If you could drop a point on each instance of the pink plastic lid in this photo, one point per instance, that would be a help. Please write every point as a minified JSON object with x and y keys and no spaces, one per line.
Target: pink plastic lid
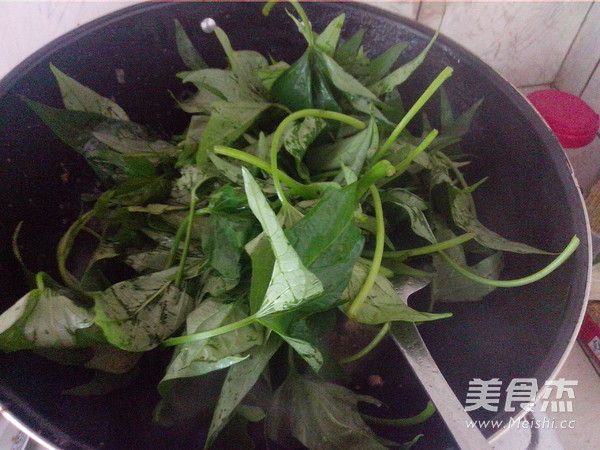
{"x":573,"y":122}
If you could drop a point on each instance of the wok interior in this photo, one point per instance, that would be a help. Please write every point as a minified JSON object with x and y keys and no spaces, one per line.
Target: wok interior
{"x":530,"y":196}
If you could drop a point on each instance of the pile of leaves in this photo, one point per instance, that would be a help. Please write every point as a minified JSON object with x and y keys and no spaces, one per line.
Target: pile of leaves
{"x":261,"y":230}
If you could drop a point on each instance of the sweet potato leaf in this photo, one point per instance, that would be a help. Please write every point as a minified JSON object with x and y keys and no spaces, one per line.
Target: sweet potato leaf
{"x":240,"y":379}
{"x":351,"y":152}
{"x":223,"y":240}
{"x":380,"y":66}
{"x":401,"y":74}
{"x":327,"y":41}
{"x":386,"y":303}
{"x":291,"y":284}
{"x":78,"y":97}
{"x":293,"y":88}
{"x":43,"y":318}
{"x":450,"y":286}
{"x":200,"y":357}
{"x":188,"y":53}
{"x":138,"y":314}
{"x":414,"y":207}
{"x":299,"y":137}
{"x":302,"y":402}
{"x":465,"y":217}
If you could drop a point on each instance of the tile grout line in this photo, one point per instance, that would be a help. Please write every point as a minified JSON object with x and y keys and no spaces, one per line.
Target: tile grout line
{"x":592,"y":73}
{"x":562,"y":64}
{"x":419,"y":10}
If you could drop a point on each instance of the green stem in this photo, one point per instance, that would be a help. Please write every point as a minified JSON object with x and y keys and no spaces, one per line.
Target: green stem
{"x":380,"y":170}
{"x":370,"y":346}
{"x":188,"y":236}
{"x":457,"y":173}
{"x":425,"y":96}
{"x":403,"y":165}
{"x":568,"y":251}
{"x":403,"y":269}
{"x":66,"y":244}
{"x":39,"y":280}
{"x":275,"y":173}
{"x":379,"y":244}
{"x":309,"y":35}
{"x":303,"y":190}
{"x":459,"y":176}
{"x":210,"y":333}
{"x":388,"y":273}
{"x":176,"y":241}
{"x":409,"y":421}
{"x":405,"y":254}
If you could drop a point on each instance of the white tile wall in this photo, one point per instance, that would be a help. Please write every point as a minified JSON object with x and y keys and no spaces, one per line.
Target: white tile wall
{"x":26,"y":26}
{"x":524,"y":41}
{"x":583,"y":56}
{"x":405,"y":9}
{"x":591,"y":92}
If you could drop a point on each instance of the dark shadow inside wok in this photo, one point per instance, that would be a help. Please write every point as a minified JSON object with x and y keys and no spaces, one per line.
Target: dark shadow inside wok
{"x":530,"y":196}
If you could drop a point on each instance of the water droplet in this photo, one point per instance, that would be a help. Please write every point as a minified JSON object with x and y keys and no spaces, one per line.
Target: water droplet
{"x":208,"y":25}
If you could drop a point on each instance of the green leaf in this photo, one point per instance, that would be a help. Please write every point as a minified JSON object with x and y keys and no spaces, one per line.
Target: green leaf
{"x":77,"y":97}
{"x":446,"y":114}
{"x":317,"y":330}
{"x":138,"y":314}
{"x":380,"y":66}
{"x":299,"y":137}
{"x":240,"y":379}
{"x":43,"y":318}
{"x":228,"y":121}
{"x":76,"y":129}
{"x":414,"y":207}
{"x":351,"y":152}
{"x":226,"y":169}
{"x":307,"y":351}
{"x":223,"y":240}
{"x":341,"y":79}
{"x":188,"y":53}
{"x":401,"y":74}
{"x":323,"y":97}
{"x":222,"y":83}
{"x":465,"y":218}
{"x":262,"y":259}
{"x":244,"y":64}
{"x":345,"y":54}
{"x":293,"y":88}
{"x":132,"y":144}
{"x":327,"y":41}
{"x":386,"y":303}
{"x":200,"y":102}
{"x":329,"y":243}
{"x":361,"y":98}
{"x":219,"y":352}
{"x":268,"y":76}
{"x":456,"y":128}
{"x":321,"y":415}
{"x":450,"y":286}
{"x":291,"y":282}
